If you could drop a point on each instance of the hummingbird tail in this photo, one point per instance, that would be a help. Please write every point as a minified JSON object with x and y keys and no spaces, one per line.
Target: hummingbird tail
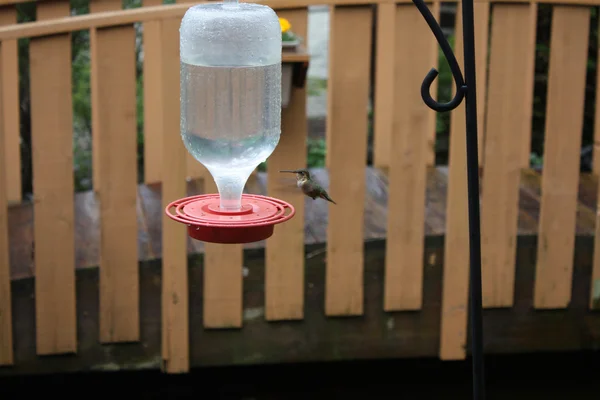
{"x":326,"y":197}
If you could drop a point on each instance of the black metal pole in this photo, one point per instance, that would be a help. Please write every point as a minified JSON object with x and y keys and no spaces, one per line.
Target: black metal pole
{"x":473,"y":189}
{"x":465,"y":88}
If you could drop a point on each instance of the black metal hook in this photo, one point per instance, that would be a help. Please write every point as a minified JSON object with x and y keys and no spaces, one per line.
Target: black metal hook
{"x":459,"y":81}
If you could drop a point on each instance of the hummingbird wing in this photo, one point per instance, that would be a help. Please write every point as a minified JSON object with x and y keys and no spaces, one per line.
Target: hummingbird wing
{"x":287,"y":184}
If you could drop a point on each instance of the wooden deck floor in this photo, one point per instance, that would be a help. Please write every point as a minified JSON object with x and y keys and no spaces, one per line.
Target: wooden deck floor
{"x":149,"y":212}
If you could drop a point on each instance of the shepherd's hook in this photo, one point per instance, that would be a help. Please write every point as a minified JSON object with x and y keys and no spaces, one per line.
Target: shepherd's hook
{"x":465,"y":88}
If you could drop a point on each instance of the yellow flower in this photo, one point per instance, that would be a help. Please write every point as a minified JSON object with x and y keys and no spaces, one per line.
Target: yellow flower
{"x":285,"y":25}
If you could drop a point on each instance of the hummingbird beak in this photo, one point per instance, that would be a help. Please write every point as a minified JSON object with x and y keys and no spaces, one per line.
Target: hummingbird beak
{"x":295,"y":171}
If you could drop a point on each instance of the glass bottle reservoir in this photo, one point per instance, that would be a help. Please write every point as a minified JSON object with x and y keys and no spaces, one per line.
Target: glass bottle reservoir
{"x":230,"y":57}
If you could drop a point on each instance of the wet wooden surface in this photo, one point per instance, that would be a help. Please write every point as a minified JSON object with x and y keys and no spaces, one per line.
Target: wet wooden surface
{"x":149,"y":214}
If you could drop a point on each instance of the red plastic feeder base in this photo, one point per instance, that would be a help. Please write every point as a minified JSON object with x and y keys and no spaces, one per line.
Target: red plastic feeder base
{"x":207,"y":222}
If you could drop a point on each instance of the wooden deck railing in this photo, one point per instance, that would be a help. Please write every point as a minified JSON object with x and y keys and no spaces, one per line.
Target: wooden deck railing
{"x":404,"y":146}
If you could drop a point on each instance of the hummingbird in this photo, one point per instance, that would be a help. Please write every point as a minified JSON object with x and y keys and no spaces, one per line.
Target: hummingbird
{"x":308,"y":185}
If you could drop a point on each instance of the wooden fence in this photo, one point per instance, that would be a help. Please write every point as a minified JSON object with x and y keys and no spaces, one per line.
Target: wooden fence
{"x":404,"y":145}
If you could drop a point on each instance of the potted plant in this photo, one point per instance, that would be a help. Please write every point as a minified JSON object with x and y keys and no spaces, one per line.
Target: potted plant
{"x":289,"y":40}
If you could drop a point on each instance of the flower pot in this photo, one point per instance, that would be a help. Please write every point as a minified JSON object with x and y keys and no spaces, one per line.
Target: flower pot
{"x":290,"y":45}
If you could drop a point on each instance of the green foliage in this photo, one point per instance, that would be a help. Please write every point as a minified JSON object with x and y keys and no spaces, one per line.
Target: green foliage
{"x":82,"y":114}
{"x":25,"y":13}
{"x":542,"y":58}
{"x":82,"y":110}
{"x":316,"y":150}
{"x":82,"y":107}
{"x":315,"y":86}
{"x":446,"y":90}
{"x":288,"y":36}
{"x":535,"y":160}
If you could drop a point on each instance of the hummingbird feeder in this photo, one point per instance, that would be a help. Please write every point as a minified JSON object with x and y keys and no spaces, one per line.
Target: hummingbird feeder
{"x":230,"y":56}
